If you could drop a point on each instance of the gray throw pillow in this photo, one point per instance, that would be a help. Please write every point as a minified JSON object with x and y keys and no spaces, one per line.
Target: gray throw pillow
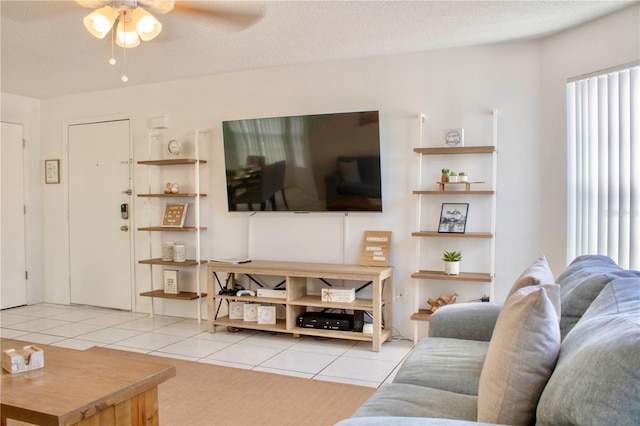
{"x":537,"y":273}
{"x":521,"y":356}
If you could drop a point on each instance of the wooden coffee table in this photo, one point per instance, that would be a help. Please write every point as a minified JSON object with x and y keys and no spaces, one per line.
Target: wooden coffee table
{"x":83,"y":387}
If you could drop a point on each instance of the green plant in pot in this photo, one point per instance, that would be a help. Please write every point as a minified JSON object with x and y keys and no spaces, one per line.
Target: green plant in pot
{"x":452,"y":262}
{"x":453,"y":176}
{"x":445,"y":175}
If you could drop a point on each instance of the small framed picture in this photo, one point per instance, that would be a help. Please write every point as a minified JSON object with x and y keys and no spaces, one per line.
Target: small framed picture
{"x":454,"y":137}
{"x":171,"y":281}
{"x":251,"y":312}
{"x":236,"y":310}
{"x":266,"y":314}
{"x":52,"y":171}
{"x":453,"y":218}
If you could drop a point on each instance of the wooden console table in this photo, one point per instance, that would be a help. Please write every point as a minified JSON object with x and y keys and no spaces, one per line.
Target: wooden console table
{"x":297,"y":300}
{"x":83,"y":388}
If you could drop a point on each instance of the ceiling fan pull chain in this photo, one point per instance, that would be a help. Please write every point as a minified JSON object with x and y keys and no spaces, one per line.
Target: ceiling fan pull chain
{"x":112,"y":61}
{"x":124,"y":53}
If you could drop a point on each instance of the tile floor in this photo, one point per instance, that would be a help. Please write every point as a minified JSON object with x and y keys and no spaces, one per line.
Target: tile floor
{"x":81,"y":327}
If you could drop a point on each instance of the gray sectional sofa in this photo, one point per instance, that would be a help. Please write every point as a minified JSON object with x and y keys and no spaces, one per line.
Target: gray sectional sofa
{"x":563,"y":351}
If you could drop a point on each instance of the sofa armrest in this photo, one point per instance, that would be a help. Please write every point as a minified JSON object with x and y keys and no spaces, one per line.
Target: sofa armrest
{"x":405,"y":421}
{"x":470,"y":321}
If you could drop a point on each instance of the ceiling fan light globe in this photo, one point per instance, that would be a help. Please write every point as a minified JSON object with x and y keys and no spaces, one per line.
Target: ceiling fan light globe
{"x":147,"y":26}
{"x":99,"y":22}
{"x":126,"y":36}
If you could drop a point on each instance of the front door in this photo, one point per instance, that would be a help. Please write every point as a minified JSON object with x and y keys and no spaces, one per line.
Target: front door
{"x":99,"y":236}
{"x":13,"y":280}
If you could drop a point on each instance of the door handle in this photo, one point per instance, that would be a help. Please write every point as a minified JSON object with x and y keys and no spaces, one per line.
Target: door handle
{"x":128,"y":192}
{"x":124,"y":228}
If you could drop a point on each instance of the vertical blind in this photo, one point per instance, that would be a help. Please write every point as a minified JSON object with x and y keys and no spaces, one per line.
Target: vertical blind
{"x":603,"y":170}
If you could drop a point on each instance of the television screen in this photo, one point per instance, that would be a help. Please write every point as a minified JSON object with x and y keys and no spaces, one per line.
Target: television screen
{"x":307,"y":163}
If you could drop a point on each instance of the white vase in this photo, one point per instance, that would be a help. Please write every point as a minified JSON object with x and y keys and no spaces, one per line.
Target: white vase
{"x":453,"y":178}
{"x":451,"y":268}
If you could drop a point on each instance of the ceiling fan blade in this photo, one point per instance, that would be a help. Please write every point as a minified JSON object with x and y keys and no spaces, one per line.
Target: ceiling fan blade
{"x":93,"y":4}
{"x":241,"y":15}
{"x":158,"y":6}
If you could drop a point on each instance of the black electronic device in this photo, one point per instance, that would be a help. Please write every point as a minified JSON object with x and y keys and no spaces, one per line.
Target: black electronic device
{"x":358,"y":321}
{"x":325,"y":320}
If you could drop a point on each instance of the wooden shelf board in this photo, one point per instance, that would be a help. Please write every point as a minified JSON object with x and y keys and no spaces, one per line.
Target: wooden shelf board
{"x":463,"y":276}
{"x":316,"y":302}
{"x":336,"y":334}
{"x":437,"y":150}
{"x":279,"y":326}
{"x":452,"y":234}
{"x":180,"y":195}
{"x":421,"y":315}
{"x":246,"y":298}
{"x":436,"y":192}
{"x":183,"y":295}
{"x":171,"y":229}
{"x":159,"y":261}
{"x":169,"y":162}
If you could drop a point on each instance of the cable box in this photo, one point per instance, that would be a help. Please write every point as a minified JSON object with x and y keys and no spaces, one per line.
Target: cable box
{"x":327,"y":321}
{"x":276,"y":294}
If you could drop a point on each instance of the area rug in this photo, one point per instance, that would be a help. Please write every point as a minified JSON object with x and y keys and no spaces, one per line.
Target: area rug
{"x":205,"y":394}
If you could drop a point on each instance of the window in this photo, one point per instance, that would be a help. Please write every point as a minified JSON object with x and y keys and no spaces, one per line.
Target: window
{"x":603,"y":173}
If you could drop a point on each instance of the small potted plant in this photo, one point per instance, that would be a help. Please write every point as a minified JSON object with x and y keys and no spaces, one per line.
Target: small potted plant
{"x":463,"y":177}
{"x":453,"y":176}
{"x":452,"y":262}
{"x":445,"y":175}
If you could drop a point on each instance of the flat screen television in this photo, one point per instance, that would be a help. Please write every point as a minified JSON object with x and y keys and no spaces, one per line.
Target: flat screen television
{"x":305,"y":163}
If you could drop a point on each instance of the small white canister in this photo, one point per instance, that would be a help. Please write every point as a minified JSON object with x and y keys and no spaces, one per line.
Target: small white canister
{"x":167,"y":250}
{"x":179,"y":252}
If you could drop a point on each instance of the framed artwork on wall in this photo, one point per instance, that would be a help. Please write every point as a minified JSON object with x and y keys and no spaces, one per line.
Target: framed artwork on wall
{"x":453,"y":218}
{"x":51,"y":171}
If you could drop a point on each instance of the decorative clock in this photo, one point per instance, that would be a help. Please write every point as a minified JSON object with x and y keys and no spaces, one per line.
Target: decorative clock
{"x":174,"y":148}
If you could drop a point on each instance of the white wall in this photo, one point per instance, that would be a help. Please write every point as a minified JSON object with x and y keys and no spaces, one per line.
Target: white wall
{"x":611,"y":41}
{"x":455,"y":88}
{"x":26,"y":111}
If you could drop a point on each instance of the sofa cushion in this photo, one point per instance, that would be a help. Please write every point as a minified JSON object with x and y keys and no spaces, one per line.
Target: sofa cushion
{"x":452,"y":365}
{"x":469,"y":321}
{"x":521,"y":356}
{"x":581,"y":283}
{"x":400,"y":399}
{"x":598,"y":369}
{"x":537,"y":273}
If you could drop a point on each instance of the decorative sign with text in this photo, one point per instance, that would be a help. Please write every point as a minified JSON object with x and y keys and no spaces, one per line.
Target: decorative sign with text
{"x":375,"y":248}
{"x":174,"y":215}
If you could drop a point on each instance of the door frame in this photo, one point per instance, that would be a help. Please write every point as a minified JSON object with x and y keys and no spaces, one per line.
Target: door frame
{"x":28,"y":207}
{"x":67,"y":225}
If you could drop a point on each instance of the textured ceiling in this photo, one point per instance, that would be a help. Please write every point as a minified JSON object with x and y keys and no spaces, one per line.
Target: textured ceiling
{"x":46,"y":51}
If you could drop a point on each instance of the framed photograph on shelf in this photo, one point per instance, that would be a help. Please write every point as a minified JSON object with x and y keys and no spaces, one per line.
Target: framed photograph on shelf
{"x":52,"y":171}
{"x":174,"y":215}
{"x":453,"y":218}
{"x":171,"y":281}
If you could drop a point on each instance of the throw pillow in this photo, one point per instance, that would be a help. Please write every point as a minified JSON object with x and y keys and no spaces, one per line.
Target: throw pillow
{"x":348,"y":171}
{"x":536,"y":274}
{"x":521,"y":356}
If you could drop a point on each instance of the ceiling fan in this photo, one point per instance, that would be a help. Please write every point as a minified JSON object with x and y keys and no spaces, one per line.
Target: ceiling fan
{"x":129,"y":22}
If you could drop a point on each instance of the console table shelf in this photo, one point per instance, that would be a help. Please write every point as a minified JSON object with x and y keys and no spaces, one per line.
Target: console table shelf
{"x":183,"y":295}
{"x":446,"y":192}
{"x":297,"y":301}
{"x":159,"y":261}
{"x":171,"y":162}
{"x":172,"y":229}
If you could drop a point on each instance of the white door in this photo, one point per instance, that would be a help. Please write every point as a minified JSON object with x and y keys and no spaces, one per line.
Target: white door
{"x":99,"y":238}
{"x":13,"y":280}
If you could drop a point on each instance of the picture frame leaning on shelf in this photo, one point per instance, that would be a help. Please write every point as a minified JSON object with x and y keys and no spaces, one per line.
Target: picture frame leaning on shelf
{"x":453,"y":218}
